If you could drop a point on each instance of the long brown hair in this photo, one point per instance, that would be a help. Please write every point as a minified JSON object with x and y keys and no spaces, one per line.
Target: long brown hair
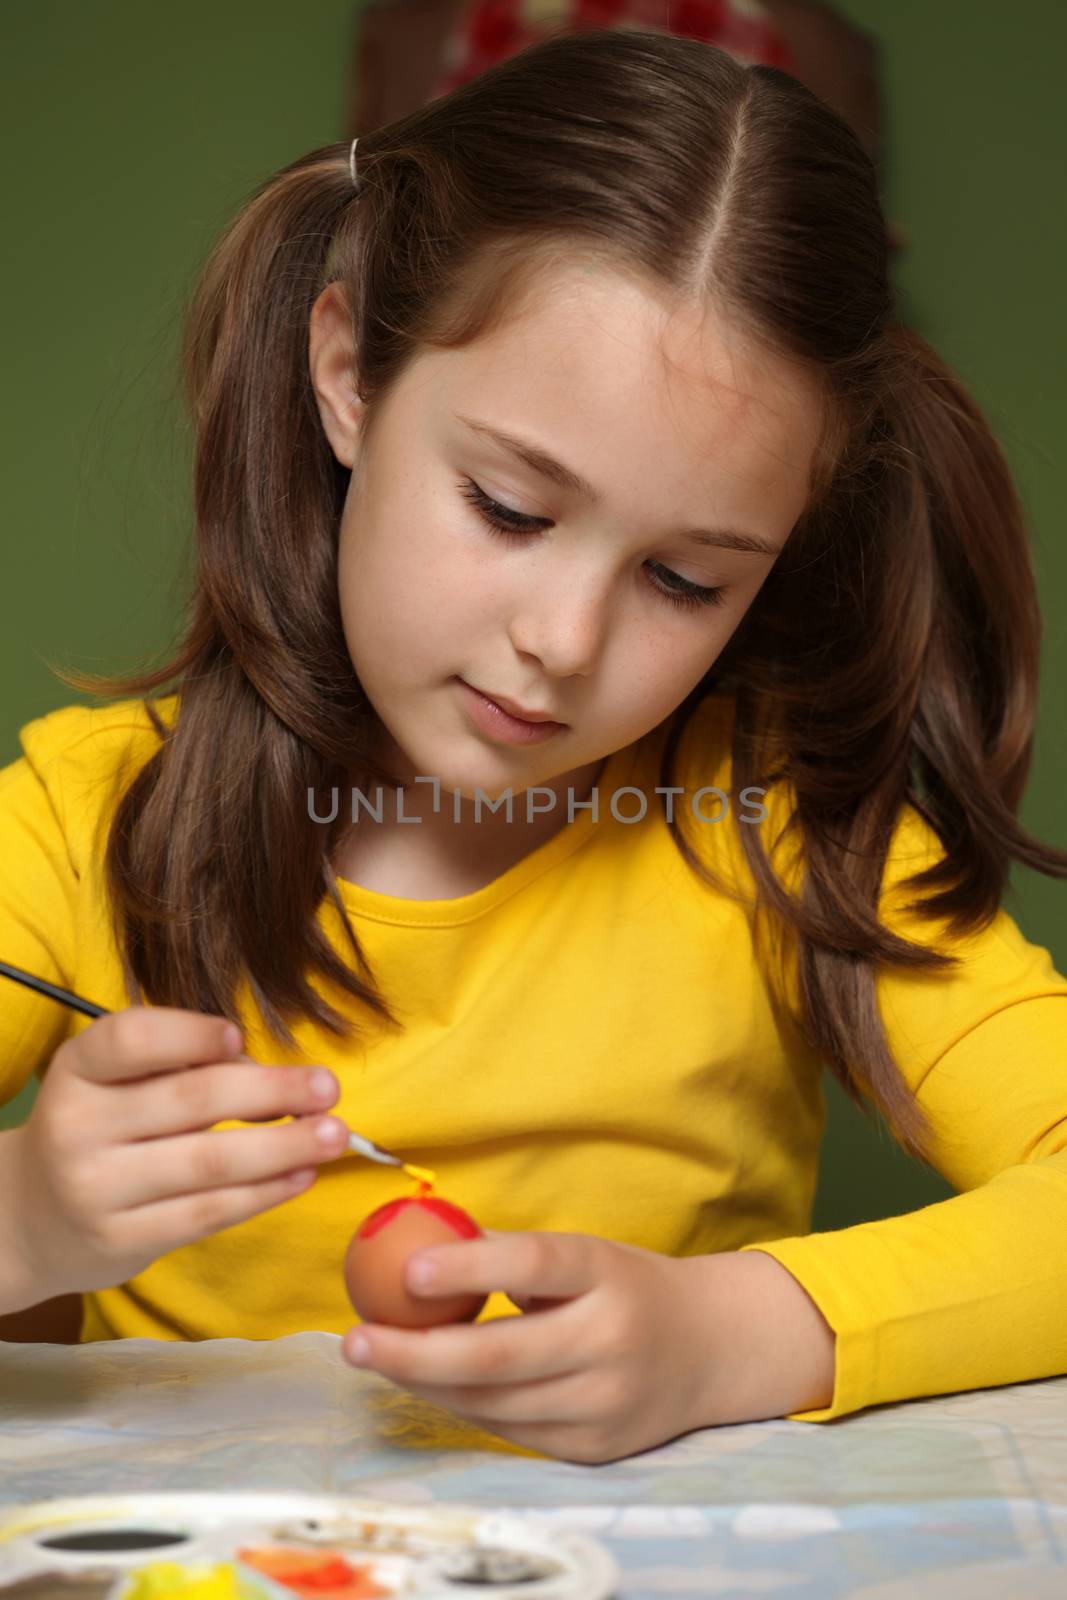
{"x":891,"y":655}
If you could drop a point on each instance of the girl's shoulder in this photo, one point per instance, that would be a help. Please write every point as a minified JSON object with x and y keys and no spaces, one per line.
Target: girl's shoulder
{"x":78,"y":758}
{"x":704,"y":762}
{"x":94,"y":738}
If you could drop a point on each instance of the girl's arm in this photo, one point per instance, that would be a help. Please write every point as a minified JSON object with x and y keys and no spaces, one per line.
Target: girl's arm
{"x":970,"y":1292}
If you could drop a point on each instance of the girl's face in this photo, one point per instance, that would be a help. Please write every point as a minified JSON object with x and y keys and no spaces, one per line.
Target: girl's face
{"x":672,"y":421}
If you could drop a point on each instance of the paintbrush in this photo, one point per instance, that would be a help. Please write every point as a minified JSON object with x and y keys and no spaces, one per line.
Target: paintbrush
{"x":88,"y":1008}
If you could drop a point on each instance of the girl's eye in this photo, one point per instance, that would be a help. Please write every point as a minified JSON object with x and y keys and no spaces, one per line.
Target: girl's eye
{"x":502,"y":520}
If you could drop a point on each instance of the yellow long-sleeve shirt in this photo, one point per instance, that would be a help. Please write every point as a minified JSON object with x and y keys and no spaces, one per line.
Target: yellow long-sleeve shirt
{"x":590,"y":1046}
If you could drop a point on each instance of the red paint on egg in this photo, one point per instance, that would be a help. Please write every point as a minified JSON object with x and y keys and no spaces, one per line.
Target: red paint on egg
{"x":454,"y":1215}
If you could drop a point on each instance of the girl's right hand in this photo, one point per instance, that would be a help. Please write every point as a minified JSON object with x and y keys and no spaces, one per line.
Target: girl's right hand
{"x":116,"y":1165}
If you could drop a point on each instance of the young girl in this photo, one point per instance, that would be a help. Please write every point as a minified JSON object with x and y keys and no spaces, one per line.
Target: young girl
{"x":576,"y":395}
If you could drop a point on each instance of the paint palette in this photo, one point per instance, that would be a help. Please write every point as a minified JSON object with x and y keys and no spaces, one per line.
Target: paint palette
{"x":266,"y":1546}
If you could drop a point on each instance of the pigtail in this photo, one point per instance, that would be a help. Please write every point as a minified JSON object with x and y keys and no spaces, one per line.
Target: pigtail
{"x":213,"y":864}
{"x":891,"y":662}
{"x":977,"y":638}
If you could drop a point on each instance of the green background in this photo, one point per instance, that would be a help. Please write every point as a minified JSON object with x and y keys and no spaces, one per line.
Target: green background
{"x":133,"y":133}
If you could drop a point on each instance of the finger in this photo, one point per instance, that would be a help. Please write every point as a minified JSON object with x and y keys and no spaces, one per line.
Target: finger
{"x":316,"y":1077}
{"x":144,"y":1040}
{"x":221,"y":1159}
{"x":541,"y":1266}
{"x":501,"y":1350}
{"x":169,"y":1224}
{"x":242,"y":1091}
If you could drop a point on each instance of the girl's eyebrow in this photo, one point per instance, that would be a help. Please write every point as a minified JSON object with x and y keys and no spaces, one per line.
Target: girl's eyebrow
{"x":540,"y":461}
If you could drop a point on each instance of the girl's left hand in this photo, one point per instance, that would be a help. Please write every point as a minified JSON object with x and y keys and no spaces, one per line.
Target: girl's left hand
{"x":610,"y":1360}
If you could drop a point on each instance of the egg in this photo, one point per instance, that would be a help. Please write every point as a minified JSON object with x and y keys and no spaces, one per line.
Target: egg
{"x":380,"y":1249}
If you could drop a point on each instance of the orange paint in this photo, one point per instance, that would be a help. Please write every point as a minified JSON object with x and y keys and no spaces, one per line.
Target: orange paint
{"x":314,"y":1574}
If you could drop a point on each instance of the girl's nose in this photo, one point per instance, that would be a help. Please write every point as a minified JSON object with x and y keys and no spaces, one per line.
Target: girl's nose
{"x":564,"y":626}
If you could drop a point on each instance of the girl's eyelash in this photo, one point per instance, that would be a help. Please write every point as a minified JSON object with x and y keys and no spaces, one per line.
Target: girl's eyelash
{"x":508,"y":523}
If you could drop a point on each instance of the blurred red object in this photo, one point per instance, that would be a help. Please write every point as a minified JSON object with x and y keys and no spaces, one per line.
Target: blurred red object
{"x":410,"y":51}
{"x":487,"y":31}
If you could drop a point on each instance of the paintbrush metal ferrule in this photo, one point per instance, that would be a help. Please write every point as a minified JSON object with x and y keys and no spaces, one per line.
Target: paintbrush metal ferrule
{"x":373,"y":1152}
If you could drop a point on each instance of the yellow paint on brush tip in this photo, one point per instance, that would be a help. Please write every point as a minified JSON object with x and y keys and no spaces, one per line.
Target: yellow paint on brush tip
{"x":423,"y":1174}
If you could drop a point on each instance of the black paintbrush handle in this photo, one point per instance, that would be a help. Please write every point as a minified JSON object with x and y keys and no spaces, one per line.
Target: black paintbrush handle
{"x":53,"y":991}
{"x":358,"y":1143}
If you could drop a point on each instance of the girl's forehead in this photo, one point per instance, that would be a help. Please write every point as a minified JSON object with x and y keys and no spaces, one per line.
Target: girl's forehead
{"x":605,"y":361}
{"x":585,"y":318}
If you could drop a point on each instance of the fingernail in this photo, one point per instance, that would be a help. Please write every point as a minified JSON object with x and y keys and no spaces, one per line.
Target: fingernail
{"x":422,"y":1273}
{"x":359,"y":1349}
{"x":234,"y":1039}
{"x":323,"y":1084}
{"x":329,"y":1131}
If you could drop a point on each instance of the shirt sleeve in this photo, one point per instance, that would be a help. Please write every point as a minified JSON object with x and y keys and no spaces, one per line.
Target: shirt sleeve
{"x":37,"y":923}
{"x":970,"y":1292}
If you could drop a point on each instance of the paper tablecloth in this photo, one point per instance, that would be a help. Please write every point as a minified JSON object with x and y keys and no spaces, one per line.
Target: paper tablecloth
{"x":960,"y":1494}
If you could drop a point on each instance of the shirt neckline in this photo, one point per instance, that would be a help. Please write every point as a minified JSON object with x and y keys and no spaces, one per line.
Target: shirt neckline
{"x":378,"y":907}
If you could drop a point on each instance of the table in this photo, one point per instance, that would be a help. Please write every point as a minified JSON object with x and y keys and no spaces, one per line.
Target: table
{"x":958,"y":1494}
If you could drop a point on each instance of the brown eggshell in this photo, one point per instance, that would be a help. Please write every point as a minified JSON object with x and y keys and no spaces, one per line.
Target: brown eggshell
{"x":380,"y":1249}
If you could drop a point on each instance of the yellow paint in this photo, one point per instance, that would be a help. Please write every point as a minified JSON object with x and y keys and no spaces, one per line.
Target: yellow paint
{"x":168,"y":1580}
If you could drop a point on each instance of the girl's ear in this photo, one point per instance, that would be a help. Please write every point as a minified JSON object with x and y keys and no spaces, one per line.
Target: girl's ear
{"x":332,"y":364}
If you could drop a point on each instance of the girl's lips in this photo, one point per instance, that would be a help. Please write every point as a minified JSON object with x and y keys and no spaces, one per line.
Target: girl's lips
{"x":500,"y":724}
